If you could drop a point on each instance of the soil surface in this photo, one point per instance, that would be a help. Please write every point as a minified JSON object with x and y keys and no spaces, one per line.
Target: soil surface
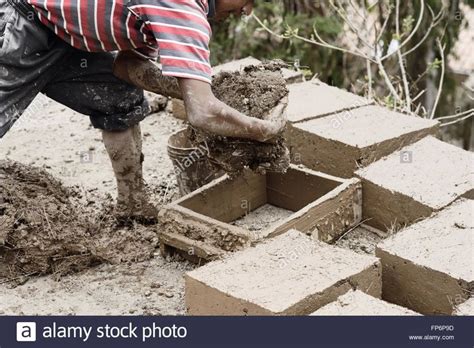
{"x":361,"y":240}
{"x":154,"y":287}
{"x":46,"y":228}
{"x":262,"y":218}
{"x":75,"y":174}
{"x":255,"y":92}
{"x":63,"y":144}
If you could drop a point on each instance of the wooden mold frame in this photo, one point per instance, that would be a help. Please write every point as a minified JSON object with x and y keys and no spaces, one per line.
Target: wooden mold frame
{"x":199,"y":225}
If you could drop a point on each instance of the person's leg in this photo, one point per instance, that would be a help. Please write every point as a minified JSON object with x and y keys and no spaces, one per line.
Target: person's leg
{"x":125,"y":152}
{"x":86,"y":84}
{"x":28,"y":54}
{"x":125,"y":156}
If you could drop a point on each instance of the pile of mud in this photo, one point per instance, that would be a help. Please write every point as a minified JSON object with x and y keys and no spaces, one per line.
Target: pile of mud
{"x":47,"y":228}
{"x":254,"y":92}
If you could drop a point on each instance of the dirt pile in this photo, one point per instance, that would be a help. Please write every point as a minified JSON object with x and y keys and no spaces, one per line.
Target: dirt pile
{"x":47,"y":228}
{"x":254,"y":92}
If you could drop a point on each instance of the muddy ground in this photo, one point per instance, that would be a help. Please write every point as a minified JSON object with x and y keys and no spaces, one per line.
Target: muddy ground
{"x":48,"y":228}
{"x":262,"y":218}
{"x":61,"y":142}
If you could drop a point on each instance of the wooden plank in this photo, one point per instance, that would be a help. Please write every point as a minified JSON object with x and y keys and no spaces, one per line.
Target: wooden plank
{"x":330,"y":216}
{"x":194,"y":249}
{"x":229,"y":199}
{"x":322,"y":203}
{"x":192,"y":225}
{"x":298,"y":187}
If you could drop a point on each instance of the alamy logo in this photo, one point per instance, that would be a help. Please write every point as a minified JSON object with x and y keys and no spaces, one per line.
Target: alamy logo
{"x":87,"y":157}
{"x":406,"y":157}
{"x":26,"y":332}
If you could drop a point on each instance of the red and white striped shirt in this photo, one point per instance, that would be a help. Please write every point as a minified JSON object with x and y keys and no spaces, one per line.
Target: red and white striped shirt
{"x":176,"y":31}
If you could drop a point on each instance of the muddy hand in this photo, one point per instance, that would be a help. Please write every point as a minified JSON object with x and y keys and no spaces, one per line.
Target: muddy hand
{"x":274,"y":123}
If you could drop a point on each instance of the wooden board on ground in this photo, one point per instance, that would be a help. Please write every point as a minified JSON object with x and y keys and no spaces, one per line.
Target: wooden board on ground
{"x":192,"y":250}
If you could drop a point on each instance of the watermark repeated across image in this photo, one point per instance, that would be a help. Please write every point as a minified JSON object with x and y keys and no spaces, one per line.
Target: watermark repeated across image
{"x":406,"y":157}
{"x":340,"y":118}
{"x":182,"y":166}
{"x":294,"y":254}
{"x":17,"y":116}
{"x":86,"y":157}
{"x":198,"y":154}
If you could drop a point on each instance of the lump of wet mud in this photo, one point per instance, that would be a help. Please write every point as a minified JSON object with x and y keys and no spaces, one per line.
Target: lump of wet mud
{"x":46,"y":228}
{"x":255,"y":91}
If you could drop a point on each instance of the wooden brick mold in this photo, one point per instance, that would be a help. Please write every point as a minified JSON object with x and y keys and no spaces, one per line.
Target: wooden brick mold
{"x":199,"y":225}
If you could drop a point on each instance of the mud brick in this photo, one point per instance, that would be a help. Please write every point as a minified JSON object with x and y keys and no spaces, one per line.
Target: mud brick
{"x":235,"y":65}
{"x":359,"y":303}
{"x":291,"y":274}
{"x":415,"y":182}
{"x":319,"y":204}
{"x":290,"y":76}
{"x":342,"y":143}
{"x":428,"y":267}
{"x":466,"y":309}
{"x":315,"y":99}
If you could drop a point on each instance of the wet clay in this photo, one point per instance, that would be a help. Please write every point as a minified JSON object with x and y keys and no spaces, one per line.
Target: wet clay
{"x":45,"y":227}
{"x":262,"y":218}
{"x":255,"y":91}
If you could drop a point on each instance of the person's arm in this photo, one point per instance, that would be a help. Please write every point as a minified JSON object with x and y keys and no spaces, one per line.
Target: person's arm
{"x":204,"y":110}
{"x":145,"y":74}
{"x":208,"y":113}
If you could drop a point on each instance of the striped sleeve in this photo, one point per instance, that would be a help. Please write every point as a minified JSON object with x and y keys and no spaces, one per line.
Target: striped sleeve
{"x":182,"y":33}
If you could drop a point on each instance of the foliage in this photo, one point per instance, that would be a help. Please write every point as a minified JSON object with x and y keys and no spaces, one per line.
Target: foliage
{"x":236,"y":39}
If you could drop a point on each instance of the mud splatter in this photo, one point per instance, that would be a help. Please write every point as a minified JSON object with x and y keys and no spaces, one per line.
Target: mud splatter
{"x":46,"y":228}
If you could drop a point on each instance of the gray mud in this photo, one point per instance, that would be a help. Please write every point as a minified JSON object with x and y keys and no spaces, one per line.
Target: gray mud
{"x":254,"y":92}
{"x":262,"y":218}
{"x":360,"y":240}
{"x":46,"y":228}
